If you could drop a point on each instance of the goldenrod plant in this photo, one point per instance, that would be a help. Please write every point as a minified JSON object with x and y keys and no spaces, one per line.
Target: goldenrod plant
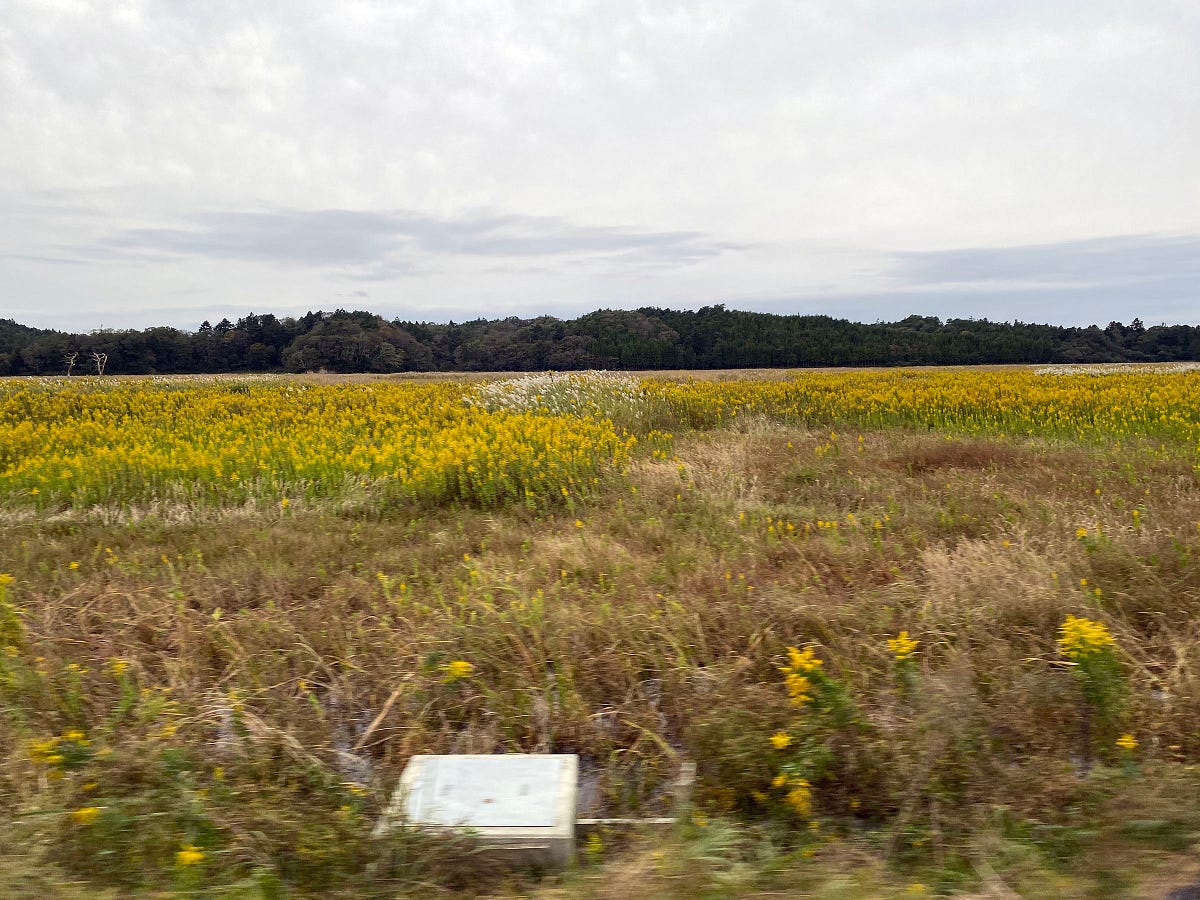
{"x":903,"y":649}
{"x":802,"y":750}
{"x":1089,"y":650}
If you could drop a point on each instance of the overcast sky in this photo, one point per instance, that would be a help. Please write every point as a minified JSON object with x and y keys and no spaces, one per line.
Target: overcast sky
{"x":170,"y":161}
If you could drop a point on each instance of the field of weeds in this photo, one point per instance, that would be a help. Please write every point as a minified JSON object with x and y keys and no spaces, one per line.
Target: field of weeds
{"x":920,"y":631}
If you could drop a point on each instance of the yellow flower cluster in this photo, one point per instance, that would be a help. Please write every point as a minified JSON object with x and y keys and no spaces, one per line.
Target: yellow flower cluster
{"x":61,"y":752}
{"x":188,"y":855}
{"x":1082,"y":638}
{"x":799,"y":797}
{"x":46,"y":752}
{"x":458,"y":669}
{"x":86,"y":815}
{"x":140,"y":441}
{"x":1127,"y":742}
{"x":799,"y":792}
{"x":902,"y":646}
{"x":797,"y":674}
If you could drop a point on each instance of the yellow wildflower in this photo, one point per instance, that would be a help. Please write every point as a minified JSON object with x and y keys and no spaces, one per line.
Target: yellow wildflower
{"x":72,"y":566}
{"x":799,"y":798}
{"x":902,"y":646}
{"x":1080,"y":638}
{"x":41,"y":751}
{"x":802,"y":661}
{"x":1127,"y":742}
{"x":189,"y":855}
{"x":801,"y":664}
{"x":779,"y":780}
{"x":458,"y":669}
{"x":798,"y":688}
{"x":781,"y":740}
{"x":86,"y":815}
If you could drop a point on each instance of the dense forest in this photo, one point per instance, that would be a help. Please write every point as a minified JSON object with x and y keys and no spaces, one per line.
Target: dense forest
{"x":710,"y":338}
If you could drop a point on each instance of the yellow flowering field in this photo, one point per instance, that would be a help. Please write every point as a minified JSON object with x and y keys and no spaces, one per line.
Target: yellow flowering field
{"x":1013,"y":401}
{"x":81,"y":444}
{"x":139,"y":441}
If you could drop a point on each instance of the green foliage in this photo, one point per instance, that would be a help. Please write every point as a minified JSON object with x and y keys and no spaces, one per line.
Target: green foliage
{"x":12,"y":633}
{"x":650,"y":338}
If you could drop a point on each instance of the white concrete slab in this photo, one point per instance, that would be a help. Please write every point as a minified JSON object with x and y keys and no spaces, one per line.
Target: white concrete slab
{"x":520,"y":805}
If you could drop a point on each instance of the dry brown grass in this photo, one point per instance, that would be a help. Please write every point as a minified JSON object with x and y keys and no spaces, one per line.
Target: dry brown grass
{"x":653,"y":631}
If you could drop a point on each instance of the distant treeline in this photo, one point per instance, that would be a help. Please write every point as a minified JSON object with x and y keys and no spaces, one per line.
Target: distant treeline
{"x":710,"y":338}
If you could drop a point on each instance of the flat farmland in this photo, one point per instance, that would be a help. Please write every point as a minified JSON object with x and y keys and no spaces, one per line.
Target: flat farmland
{"x":920,"y":630}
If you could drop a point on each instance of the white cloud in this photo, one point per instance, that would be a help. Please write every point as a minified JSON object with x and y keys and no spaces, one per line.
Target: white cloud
{"x":824,"y":140}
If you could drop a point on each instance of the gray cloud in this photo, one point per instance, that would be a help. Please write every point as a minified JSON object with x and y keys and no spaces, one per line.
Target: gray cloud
{"x":1174,"y":304}
{"x":1093,"y":281}
{"x":1118,"y":261}
{"x":375,"y":240}
{"x":319,"y":238}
